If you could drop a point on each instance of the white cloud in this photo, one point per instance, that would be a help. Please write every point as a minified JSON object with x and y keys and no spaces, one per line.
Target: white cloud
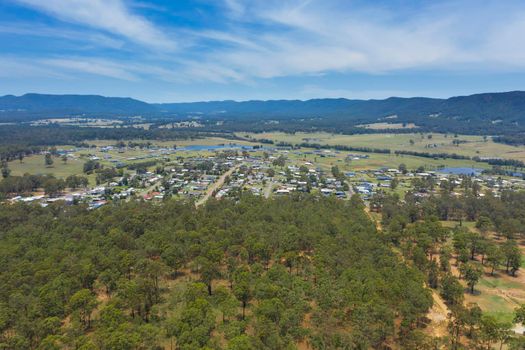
{"x":236,"y":7}
{"x":312,"y":37}
{"x":16,"y":68}
{"x":40,"y":30}
{"x":109,"y":15}
{"x":282,"y":38}
{"x":91,"y":66}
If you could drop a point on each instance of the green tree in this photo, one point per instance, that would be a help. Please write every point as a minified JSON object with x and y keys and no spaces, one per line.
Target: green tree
{"x":242,"y":290}
{"x":492,"y":331}
{"x":519,"y":314}
{"x":53,"y":186}
{"x":48,"y":160}
{"x":193,"y":326}
{"x":484,"y":224}
{"x":495,"y":257}
{"x":280,"y":161}
{"x":209,"y":271}
{"x":451,"y":290}
{"x":241,"y":342}
{"x":5,"y":170}
{"x":472,"y":275}
{"x":82,"y":304}
{"x":512,"y":255}
{"x":394,"y":183}
{"x":225,"y":302}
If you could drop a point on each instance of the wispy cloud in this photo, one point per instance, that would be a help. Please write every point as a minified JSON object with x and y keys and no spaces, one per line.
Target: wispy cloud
{"x":250,"y":43}
{"x":94,"y":39}
{"x":236,"y":8}
{"x":112,"y":16}
{"x":267,"y":39}
{"x":93,"y":66}
{"x":16,"y":67}
{"x":312,"y":37}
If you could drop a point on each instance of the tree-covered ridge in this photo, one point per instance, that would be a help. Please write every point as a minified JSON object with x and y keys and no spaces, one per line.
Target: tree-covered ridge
{"x":247,"y":274}
{"x":481,"y":114}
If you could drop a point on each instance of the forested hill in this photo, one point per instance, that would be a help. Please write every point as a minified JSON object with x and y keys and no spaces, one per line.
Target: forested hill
{"x":492,"y":112}
{"x":63,"y":105}
{"x":506,"y":105}
{"x":501,"y":113}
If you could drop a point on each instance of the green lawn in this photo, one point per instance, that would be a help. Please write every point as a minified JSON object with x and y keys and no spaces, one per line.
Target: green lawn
{"x":498,"y":307}
{"x":494,"y":282}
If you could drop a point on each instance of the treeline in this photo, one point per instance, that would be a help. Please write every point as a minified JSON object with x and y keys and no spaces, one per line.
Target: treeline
{"x":17,"y":152}
{"x":19,"y":141}
{"x":501,"y":162}
{"x":247,"y":274}
{"x":492,"y":161}
{"x":142,"y":166}
{"x":344,"y":148}
{"x":432,"y":155}
{"x":31,"y":183}
{"x":514,"y":140}
{"x":51,"y":135}
{"x":413,"y":225}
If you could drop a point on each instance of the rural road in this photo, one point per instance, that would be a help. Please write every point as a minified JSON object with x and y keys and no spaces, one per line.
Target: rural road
{"x":216,"y":185}
{"x":268,"y":189}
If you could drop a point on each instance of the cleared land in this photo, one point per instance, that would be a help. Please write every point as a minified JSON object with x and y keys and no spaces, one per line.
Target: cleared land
{"x":383,"y":126}
{"x":35,"y":165}
{"x":326,"y":159}
{"x":497,"y":295}
{"x":91,"y":122}
{"x":377,"y":160}
{"x":74,"y":166}
{"x":438,"y":143}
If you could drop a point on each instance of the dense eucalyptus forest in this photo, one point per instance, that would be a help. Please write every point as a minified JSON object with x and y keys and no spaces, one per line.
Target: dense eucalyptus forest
{"x":247,"y":274}
{"x":297,"y":272}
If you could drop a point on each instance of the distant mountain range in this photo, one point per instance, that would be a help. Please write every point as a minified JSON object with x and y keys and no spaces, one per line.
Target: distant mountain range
{"x":504,"y":109}
{"x":491,"y":105}
{"x":62,"y":105}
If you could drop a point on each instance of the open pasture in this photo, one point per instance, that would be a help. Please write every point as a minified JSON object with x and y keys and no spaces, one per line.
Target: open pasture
{"x":419,"y":142}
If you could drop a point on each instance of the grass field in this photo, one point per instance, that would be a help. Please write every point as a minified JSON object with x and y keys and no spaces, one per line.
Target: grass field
{"x":74,"y":166}
{"x":35,"y":165}
{"x":498,"y":295}
{"x":440,"y":143}
{"x":377,"y":160}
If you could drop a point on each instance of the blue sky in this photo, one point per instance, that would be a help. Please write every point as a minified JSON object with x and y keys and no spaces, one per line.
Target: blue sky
{"x":170,"y":51}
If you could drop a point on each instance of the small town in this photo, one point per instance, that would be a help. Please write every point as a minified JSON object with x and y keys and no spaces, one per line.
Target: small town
{"x":158,"y":173}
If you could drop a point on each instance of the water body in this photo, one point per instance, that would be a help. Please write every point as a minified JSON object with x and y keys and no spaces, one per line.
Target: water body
{"x":214,"y":147}
{"x":461,"y":171}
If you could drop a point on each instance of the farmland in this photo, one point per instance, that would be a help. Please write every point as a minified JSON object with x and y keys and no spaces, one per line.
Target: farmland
{"x":420,"y":142}
{"x":35,"y":164}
